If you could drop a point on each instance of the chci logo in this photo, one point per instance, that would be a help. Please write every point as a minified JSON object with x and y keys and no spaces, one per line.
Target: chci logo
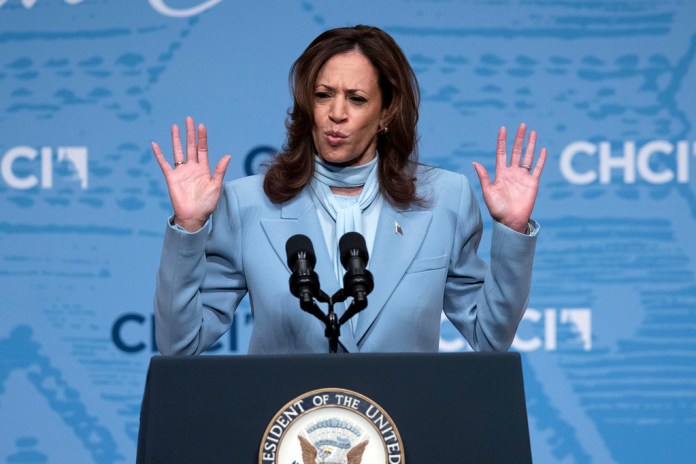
{"x":331,"y":426}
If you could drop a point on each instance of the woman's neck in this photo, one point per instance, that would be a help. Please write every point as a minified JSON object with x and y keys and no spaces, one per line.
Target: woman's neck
{"x":347,"y":191}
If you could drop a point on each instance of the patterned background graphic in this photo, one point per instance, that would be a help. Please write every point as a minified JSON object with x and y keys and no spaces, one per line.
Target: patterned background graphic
{"x":609,"y":340}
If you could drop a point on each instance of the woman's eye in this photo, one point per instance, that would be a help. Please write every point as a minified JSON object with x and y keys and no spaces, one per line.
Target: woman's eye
{"x":358,"y":99}
{"x":321,"y":95}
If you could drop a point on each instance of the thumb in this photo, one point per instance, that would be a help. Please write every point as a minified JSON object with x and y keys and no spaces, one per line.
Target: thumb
{"x":483,"y":176}
{"x":221,"y":168}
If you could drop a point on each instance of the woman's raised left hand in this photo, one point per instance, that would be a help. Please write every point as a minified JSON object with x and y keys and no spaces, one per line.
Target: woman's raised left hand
{"x":510,"y":198}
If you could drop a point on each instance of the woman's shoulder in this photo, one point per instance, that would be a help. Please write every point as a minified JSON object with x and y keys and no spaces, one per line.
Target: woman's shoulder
{"x":444,"y":190}
{"x":248,"y":189}
{"x":252,"y":179}
{"x":247,"y":184}
{"x":431,"y":178}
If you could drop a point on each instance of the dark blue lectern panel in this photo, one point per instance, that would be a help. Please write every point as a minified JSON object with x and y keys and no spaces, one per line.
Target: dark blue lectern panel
{"x":448,"y":407}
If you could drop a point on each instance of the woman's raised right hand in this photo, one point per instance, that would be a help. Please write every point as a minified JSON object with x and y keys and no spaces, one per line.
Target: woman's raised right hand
{"x":192,"y":190}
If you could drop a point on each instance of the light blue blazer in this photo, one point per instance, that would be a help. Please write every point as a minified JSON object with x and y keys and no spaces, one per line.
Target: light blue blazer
{"x":429,"y":267}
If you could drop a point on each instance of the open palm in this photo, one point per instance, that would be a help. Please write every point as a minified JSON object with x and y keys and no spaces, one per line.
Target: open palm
{"x":194,"y":193}
{"x":510,"y":198}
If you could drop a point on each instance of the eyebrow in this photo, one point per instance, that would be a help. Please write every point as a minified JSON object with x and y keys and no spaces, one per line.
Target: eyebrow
{"x":328,"y":87}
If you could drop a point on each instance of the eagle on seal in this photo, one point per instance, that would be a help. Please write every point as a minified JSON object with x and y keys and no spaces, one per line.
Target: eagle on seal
{"x":310,"y":453}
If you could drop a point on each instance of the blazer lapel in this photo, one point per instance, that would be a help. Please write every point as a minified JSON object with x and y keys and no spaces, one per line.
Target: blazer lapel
{"x":398,"y":239}
{"x":299,"y":216}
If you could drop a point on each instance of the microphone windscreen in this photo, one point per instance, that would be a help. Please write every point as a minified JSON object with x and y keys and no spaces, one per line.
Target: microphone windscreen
{"x":296,"y":245}
{"x":350,"y":243}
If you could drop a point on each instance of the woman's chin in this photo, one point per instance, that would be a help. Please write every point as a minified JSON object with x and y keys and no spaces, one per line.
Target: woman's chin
{"x":340,"y":158}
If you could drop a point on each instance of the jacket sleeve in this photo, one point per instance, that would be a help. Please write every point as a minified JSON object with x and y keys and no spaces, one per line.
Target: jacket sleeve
{"x":486,"y":303}
{"x":200,"y":281}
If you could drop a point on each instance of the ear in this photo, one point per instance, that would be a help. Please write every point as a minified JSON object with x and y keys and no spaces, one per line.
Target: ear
{"x":384,"y":119}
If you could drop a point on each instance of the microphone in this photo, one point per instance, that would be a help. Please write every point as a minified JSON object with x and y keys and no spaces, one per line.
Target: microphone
{"x":357,"y":281}
{"x":304,"y":282}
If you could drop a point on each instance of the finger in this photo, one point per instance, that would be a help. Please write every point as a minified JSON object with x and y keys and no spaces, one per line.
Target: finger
{"x":161,"y":159}
{"x":529,"y":153}
{"x":220,"y":169}
{"x":500,"y":150}
{"x":202,"y":144}
{"x":483,"y":176}
{"x":176,"y":145}
{"x":540,"y":163}
{"x":191,"y":155}
{"x":517,"y":145}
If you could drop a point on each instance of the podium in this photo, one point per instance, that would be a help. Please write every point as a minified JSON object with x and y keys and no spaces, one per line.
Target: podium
{"x":455,"y":407}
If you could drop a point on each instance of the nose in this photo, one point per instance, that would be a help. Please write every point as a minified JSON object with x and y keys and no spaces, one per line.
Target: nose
{"x":337,"y":112}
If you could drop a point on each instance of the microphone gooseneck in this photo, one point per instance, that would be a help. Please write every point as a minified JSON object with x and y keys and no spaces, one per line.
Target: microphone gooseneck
{"x":304,"y":282}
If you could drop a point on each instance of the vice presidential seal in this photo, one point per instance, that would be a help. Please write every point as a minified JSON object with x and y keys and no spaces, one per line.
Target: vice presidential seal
{"x":331,"y":426}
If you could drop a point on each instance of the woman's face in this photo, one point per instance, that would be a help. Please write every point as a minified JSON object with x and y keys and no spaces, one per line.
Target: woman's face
{"x":347,"y":110}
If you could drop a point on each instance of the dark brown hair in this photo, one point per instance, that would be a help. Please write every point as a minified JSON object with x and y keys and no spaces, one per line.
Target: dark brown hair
{"x":292,"y":169}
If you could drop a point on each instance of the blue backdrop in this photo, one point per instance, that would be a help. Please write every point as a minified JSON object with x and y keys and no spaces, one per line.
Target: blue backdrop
{"x":609,"y":340}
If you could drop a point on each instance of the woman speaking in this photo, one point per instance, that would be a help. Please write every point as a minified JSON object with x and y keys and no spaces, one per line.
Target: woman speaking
{"x":350,"y":163}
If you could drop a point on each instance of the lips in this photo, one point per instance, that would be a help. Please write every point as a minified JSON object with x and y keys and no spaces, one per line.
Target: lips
{"x":335,"y":138}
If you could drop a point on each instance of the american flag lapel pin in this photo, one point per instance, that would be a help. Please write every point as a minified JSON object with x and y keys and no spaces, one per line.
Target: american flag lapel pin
{"x":398,"y":229}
